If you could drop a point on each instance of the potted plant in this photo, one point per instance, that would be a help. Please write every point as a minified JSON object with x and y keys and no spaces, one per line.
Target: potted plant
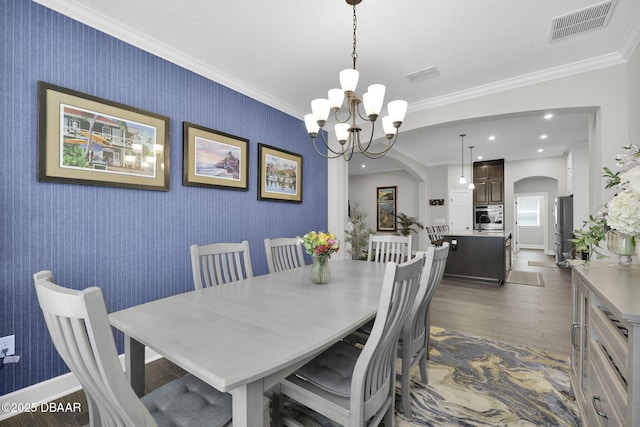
{"x":620,"y":222}
{"x":588,"y":237}
{"x":357,"y":235}
{"x":406,"y":224}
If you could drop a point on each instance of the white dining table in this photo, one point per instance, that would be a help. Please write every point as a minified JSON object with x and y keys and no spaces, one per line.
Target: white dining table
{"x":244,"y":337}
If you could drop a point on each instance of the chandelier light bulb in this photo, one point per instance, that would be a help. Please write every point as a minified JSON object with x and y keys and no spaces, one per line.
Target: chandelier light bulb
{"x":389,"y":129}
{"x":471,"y":186}
{"x":373,"y":100}
{"x":462,"y":180}
{"x":349,"y":79}
{"x":397,"y":110}
{"x":342,"y":132}
{"x":320,"y":110}
{"x":336,"y":98}
{"x":311,"y":124}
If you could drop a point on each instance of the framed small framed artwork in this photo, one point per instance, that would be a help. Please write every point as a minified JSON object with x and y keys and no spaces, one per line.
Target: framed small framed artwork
{"x":83,"y":139}
{"x":214,"y":159}
{"x":279,"y":175}
{"x":386,"y":212}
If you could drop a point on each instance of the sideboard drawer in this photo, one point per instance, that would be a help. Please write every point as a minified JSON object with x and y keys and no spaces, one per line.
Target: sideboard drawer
{"x":605,"y":387}
{"x":610,"y":335}
{"x":601,"y":410}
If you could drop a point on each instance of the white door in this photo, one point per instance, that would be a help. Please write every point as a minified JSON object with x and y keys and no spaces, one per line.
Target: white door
{"x":461,"y":209}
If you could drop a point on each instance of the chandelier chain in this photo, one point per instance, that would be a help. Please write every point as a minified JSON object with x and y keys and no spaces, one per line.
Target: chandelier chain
{"x":354,"y":54}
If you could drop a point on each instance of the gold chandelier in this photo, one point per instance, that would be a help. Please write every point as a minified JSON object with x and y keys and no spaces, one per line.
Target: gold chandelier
{"x":346,"y":129}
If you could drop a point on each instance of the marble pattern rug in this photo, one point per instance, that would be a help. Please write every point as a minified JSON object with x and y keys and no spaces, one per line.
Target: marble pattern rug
{"x":475,"y":381}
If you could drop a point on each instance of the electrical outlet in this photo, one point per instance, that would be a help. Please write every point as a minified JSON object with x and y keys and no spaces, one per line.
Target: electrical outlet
{"x":8,"y":342}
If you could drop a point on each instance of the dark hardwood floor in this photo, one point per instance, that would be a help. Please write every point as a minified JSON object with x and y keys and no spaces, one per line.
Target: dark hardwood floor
{"x":538,"y":317}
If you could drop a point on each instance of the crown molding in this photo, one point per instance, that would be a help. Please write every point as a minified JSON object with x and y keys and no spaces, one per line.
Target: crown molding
{"x":74,"y":9}
{"x":77,"y":11}
{"x":521,"y":81}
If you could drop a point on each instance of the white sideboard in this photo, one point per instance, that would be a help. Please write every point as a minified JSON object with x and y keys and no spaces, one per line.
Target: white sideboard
{"x":605,"y":335}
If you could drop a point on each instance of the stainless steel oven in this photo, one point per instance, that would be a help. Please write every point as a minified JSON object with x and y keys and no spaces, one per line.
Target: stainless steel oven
{"x":489,"y":217}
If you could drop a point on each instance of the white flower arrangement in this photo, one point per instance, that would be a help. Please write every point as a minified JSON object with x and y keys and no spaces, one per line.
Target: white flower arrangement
{"x":623,"y":210}
{"x":624,"y":213}
{"x":620,"y":214}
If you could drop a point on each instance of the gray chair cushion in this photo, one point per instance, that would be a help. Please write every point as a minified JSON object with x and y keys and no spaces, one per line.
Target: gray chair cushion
{"x":188,"y":402}
{"x":333,"y":369}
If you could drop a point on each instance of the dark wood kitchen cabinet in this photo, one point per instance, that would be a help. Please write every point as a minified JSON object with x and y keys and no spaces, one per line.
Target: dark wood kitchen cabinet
{"x":488,"y":178}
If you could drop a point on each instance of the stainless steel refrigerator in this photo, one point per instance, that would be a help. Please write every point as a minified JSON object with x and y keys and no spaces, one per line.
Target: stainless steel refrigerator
{"x":563,"y":223}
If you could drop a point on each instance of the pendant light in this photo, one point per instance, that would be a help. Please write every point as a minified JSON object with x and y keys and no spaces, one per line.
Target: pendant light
{"x":471,"y":184}
{"x":462,"y":179}
{"x":346,"y":128}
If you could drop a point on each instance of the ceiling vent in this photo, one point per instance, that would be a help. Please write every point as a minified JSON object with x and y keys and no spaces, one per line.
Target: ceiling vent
{"x":583,"y":20}
{"x":421,"y":75}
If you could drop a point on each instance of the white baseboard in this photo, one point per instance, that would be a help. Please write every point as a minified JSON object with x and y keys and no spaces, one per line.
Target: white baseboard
{"x":49,"y":390}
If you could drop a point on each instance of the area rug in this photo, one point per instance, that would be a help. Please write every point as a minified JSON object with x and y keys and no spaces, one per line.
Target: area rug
{"x":475,"y":381}
{"x":524,"y":278}
{"x":542,"y":264}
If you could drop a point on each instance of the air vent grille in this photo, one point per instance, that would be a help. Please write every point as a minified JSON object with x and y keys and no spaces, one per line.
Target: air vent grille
{"x":580,"y":21}
{"x":421,"y":75}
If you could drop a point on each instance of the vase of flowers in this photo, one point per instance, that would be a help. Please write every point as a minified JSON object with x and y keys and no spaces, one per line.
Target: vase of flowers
{"x":623,"y":245}
{"x":620,"y":220}
{"x":320,"y":246}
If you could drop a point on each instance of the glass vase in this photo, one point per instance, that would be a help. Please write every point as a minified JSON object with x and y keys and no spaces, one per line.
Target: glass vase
{"x":623,"y":245}
{"x":320,"y":272}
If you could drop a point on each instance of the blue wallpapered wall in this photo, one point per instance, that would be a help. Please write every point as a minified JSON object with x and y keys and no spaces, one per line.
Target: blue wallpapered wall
{"x":132,"y":243}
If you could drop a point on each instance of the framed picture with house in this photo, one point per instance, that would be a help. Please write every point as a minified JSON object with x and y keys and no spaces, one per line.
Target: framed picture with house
{"x":279,"y":175}
{"x":84,"y":139}
{"x":386,"y":208}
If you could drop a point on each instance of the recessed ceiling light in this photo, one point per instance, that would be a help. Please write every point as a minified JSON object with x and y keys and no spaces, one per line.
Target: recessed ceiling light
{"x":543,"y":136}
{"x":479,"y":157}
{"x":363,"y":166}
{"x":491,"y":138}
{"x":540,"y":150}
{"x":548,"y":116}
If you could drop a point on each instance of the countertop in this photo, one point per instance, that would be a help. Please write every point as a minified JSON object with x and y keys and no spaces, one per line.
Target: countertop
{"x":485,"y":233}
{"x":618,"y":286}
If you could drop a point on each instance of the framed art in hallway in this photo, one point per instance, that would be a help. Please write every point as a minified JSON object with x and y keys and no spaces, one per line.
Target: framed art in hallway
{"x":214,"y":159}
{"x":84,"y":139}
{"x":386,"y":208}
{"x":279,"y":175}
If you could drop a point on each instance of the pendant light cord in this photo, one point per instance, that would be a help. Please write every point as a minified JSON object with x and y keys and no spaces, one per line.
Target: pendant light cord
{"x":354,"y":54}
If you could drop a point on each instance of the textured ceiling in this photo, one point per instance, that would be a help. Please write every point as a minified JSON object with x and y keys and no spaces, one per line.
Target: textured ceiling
{"x":287,"y":52}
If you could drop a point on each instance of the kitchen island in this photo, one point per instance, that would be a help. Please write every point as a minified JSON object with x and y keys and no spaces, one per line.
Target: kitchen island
{"x":478,"y":256}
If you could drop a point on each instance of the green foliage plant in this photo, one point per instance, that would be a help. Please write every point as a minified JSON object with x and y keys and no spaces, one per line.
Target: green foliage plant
{"x":406,"y":224}
{"x":357,"y":235}
{"x":588,"y":237}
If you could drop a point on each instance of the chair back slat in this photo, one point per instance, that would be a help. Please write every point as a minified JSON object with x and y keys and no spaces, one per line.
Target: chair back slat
{"x":284,"y":253}
{"x":79,"y":328}
{"x":373,"y":383}
{"x":389,"y":248}
{"x":436,"y":233}
{"x":220,"y":263}
{"x":415,"y":330}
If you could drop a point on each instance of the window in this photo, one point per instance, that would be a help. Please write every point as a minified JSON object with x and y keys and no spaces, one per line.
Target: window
{"x":529,"y":211}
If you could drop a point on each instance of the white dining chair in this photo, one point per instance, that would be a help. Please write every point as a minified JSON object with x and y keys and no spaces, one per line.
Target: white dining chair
{"x":413,"y":346}
{"x":355,"y":386}
{"x":387,"y":247}
{"x":219,"y":263}
{"x":80,"y":330}
{"x":284,"y":253}
{"x":436,"y":233}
